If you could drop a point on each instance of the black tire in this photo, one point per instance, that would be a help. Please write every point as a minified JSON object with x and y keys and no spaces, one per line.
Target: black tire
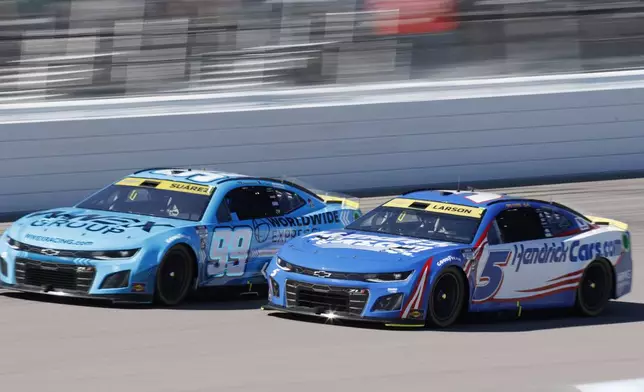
{"x":446,"y":299}
{"x":174,"y":277}
{"x":595,"y":289}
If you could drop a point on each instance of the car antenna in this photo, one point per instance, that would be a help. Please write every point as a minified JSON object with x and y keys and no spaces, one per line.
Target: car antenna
{"x":458,"y":184}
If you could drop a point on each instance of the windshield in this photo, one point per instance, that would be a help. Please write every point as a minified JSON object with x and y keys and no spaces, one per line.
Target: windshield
{"x":184,"y":202}
{"x":418,"y":224}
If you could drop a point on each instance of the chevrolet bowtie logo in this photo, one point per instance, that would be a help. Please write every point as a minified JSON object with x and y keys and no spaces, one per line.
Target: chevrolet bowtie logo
{"x":322,"y":274}
{"x":50,"y":252}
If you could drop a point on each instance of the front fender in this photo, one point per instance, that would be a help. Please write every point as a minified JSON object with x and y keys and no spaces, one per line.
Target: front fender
{"x":420,"y":294}
{"x":156,"y":247}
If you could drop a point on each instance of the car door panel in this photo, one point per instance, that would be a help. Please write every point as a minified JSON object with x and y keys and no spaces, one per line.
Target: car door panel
{"x":537,"y":272}
{"x":245,"y":240}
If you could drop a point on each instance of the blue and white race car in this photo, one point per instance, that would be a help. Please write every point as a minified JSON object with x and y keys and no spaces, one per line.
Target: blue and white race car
{"x":426,"y":257}
{"x":159,"y":233}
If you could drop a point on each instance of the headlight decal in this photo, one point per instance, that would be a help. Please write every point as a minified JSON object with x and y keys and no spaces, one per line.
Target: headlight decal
{"x":385,"y":277}
{"x":81,"y":254}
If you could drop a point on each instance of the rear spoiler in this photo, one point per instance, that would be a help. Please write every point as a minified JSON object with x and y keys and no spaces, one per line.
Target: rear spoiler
{"x":340,"y":200}
{"x":605,"y":222}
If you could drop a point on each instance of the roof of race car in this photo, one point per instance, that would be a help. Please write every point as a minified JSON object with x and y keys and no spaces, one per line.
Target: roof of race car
{"x":465,"y":198}
{"x":210,"y":177}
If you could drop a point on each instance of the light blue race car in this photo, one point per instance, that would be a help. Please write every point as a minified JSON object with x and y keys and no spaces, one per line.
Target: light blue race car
{"x":158,"y":234}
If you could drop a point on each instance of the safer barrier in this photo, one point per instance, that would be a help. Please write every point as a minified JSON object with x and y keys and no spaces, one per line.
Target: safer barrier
{"x":342,"y":140}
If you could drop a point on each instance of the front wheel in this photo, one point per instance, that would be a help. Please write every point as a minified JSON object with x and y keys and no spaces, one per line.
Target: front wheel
{"x":595,"y":289}
{"x":447,"y":299}
{"x":174,"y":277}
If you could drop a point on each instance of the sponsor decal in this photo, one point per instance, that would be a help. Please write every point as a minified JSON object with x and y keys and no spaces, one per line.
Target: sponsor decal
{"x":57,"y":240}
{"x":202,"y":232}
{"x":416,"y":314}
{"x":280,"y":230}
{"x":560,"y":253}
{"x":446,"y":260}
{"x":283,"y":236}
{"x":103,"y":224}
{"x":138,"y":287}
{"x":391,"y":245}
{"x":624,"y":276}
{"x":517,"y":205}
{"x":624,"y":280}
{"x":261,"y":230}
{"x":582,"y":224}
{"x":626,"y":242}
{"x":323,"y":218}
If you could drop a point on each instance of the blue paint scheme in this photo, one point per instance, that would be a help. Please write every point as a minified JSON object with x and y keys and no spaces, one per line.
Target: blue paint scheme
{"x":88,"y":230}
{"x":348,"y":258}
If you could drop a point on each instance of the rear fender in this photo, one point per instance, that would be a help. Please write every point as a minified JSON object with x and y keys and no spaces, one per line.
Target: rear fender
{"x":597,"y":220}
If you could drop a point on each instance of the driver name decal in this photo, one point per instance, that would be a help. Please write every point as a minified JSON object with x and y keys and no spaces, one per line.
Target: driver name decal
{"x":96,"y":223}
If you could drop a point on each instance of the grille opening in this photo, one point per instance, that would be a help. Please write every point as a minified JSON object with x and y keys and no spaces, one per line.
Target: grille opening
{"x":54,"y":276}
{"x":327,"y":301}
{"x":323,"y":298}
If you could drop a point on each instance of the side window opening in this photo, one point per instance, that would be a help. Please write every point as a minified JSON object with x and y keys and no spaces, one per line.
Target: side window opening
{"x":493,"y":236}
{"x":251,"y":202}
{"x":288,"y":201}
{"x":223,"y":213}
{"x":520,"y":224}
{"x":555,"y":223}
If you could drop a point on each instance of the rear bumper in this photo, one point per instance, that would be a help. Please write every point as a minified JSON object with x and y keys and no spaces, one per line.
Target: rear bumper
{"x":113,"y":298}
{"x":303,"y":311}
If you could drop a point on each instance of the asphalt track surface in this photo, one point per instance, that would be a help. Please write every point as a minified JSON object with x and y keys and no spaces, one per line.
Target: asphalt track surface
{"x":52,"y":344}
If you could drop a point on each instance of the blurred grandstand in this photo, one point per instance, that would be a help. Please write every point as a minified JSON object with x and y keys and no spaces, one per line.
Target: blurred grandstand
{"x":85,"y":48}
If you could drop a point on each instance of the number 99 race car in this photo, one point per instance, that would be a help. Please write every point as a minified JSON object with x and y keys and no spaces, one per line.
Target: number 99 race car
{"x":425,"y":257}
{"x":159,"y":233}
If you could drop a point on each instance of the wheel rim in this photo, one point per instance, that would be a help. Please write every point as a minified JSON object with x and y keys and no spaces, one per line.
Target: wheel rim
{"x":173,"y":278}
{"x":594,"y":287}
{"x":445,"y":297}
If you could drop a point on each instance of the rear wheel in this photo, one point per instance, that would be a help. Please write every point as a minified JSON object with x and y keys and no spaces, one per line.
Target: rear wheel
{"x":595,"y":288}
{"x":447,"y":299}
{"x":174,"y":277}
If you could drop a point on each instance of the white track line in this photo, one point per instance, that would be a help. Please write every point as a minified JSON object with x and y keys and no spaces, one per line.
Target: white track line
{"x":632,"y":385}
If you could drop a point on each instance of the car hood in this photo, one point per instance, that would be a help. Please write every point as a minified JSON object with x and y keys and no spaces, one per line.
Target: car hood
{"x":80,"y":229}
{"x":362,"y":252}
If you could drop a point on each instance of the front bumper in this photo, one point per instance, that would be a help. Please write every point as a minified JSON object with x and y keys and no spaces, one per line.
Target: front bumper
{"x":113,"y":298}
{"x":130,"y":280}
{"x":302,"y":311}
{"x":338,"y":299}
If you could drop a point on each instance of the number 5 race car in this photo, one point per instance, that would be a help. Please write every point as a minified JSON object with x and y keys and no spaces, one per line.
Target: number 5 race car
{"x":426,"y":257}
{"x":159,"y":233}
